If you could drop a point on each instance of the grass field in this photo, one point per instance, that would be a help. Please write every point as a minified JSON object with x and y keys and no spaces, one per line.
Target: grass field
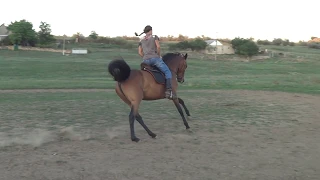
{"x":30,"y":70}
{"x":61,"y":119}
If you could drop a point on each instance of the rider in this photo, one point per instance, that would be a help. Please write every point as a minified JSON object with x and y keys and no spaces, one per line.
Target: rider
{"x":149,"y":50}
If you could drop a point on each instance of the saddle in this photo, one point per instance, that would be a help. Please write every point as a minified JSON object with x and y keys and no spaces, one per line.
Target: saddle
{"x":158,"y":76}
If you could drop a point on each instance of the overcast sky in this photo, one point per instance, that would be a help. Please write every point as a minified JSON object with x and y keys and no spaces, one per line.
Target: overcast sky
{"x":268,"y":19}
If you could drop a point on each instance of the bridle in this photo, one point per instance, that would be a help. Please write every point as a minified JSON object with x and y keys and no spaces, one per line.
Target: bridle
{"x":180,"y":79}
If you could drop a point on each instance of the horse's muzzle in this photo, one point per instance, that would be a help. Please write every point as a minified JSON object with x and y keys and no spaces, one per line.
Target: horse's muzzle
{"x":180,"y":80}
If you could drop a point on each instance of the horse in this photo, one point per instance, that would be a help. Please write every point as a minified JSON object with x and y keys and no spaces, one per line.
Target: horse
{"x":148,"y":83}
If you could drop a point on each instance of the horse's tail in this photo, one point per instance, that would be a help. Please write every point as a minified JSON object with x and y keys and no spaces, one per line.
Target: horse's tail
{"x":119,"y":70}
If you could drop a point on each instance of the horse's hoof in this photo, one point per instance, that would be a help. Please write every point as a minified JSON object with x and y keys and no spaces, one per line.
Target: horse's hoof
{"x":153,"y":135}
{"x":135,"y":139}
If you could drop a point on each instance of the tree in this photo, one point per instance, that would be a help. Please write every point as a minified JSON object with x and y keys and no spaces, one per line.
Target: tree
{"x":22,"y":32}
{"x":244,"y":47}
{"x":182,"y":37}
{"x":263,"y":42}
{"x":198,"y":44}
{"x":249,"y":48}
{"x":285,"y":42}
{"x":44,"y":35}
{"x":314,"y":45}
{"x":78,"y":36}
{"x":194,"y":45}
{"x":236,"y":42}
{"x":183,"y":45}
{"x":93,"y":35}
{"x":302,"y":43}
{"x":277,"y":42}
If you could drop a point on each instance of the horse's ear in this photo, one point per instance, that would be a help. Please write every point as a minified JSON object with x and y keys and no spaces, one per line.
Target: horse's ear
{"x":186,"y":56}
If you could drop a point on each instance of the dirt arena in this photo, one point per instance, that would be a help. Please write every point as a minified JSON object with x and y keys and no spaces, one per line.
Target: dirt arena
{"x":234,"y":135}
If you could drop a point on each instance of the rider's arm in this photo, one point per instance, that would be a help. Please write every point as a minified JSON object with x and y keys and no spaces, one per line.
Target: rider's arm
{"x":157,"y":44}
{"x":140,"y":50}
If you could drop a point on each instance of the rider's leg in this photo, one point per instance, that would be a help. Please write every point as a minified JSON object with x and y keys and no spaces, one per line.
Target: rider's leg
{"x":164,"y":68}
{"x":149,"y":62}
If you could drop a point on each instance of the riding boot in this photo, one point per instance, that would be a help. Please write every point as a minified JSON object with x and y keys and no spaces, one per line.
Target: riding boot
{"x":169,"y":94}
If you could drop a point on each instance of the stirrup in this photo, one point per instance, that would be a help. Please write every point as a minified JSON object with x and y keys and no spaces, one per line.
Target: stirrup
{"x":171,"y":95}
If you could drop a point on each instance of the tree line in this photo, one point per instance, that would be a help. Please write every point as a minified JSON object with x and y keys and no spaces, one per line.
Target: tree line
{"x":241,"y":46}
{"x":314,"y":42}
{"x":23,"y":33}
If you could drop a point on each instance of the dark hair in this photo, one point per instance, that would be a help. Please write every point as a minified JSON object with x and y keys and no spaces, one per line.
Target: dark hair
{"x":145,"y":30}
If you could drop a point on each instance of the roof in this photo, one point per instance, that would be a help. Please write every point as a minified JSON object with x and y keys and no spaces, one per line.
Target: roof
{"x":213,"y":42}
{"x":315,"y":40}
{"x":4,"y":30}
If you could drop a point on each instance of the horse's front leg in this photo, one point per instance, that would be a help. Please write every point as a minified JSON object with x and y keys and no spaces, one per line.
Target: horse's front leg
{"x":184,"y":106}
{"x":176,"y":103}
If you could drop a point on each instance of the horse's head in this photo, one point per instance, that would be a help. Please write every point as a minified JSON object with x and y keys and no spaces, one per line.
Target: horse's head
{"x":177,"y":63}
{"x":182,"y":66}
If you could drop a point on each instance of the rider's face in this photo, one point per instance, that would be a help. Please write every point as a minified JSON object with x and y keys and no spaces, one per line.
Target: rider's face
{"x":149,"y":33}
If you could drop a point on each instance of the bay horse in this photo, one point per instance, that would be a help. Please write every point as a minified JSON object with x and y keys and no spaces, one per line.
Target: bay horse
{"x":147,"y":83}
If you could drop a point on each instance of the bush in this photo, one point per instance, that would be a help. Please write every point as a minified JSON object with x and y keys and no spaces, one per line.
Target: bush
{"x":245,"y":47}
{"x":194,"y":45}
{"x":285,"y":42}
{"x":249,"y":49}
{"x":263,"y":42}
{"x":115,"y":41}
{"x":183,"y":45}
{"x":52,"y":45}
{"x":198,"y":44}
{"x":314,"y":45}
{"x":6,"y":42}
{"x":302,"y":43}
{"x":277,"y":42}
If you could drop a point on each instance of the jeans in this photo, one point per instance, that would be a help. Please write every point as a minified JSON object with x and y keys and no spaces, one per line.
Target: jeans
{"x":158,"y":62}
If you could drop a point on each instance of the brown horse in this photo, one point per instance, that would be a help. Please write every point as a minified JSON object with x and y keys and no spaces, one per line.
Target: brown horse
{"x":147,"y":84}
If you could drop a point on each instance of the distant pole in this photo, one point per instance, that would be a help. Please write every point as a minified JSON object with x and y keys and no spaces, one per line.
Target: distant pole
{"x":64,"y":41}
{"x":216,"y":46}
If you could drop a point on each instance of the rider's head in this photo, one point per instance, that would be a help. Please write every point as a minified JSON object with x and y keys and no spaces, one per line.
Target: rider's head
{"x":148,"y":30}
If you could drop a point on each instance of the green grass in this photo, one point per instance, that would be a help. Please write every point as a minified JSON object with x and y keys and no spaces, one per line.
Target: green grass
{"x":29,"y":70}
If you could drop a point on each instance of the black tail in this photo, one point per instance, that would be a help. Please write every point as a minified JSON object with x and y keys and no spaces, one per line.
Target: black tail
{"x":119,"y":70}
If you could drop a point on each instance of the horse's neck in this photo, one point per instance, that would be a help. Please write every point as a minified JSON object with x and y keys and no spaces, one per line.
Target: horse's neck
{"x":172,"y":65}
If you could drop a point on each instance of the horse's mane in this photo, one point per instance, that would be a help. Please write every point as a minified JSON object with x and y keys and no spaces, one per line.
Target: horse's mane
{"x":169,"y":56}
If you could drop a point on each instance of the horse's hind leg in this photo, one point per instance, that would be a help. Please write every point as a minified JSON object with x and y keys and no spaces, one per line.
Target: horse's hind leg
{"x":134,"y":115}
{"x":139,"y":119}
{"x":184,"y":106}
{"x":131,"y":122}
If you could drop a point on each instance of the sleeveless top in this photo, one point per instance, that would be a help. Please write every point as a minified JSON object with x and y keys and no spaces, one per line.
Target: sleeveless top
{"x":149,"y":47}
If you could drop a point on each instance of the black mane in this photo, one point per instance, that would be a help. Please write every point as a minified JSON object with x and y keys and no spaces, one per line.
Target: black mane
{"x":169,"y":56}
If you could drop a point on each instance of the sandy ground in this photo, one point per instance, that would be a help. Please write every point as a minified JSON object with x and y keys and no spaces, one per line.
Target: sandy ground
{"x":287,"y":150}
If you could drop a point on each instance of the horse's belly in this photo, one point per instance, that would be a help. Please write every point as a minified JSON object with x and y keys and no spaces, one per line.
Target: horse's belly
{"x":153,"y":92}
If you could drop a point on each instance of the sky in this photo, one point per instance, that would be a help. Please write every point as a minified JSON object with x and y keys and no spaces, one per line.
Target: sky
{"x":294,"y":20}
